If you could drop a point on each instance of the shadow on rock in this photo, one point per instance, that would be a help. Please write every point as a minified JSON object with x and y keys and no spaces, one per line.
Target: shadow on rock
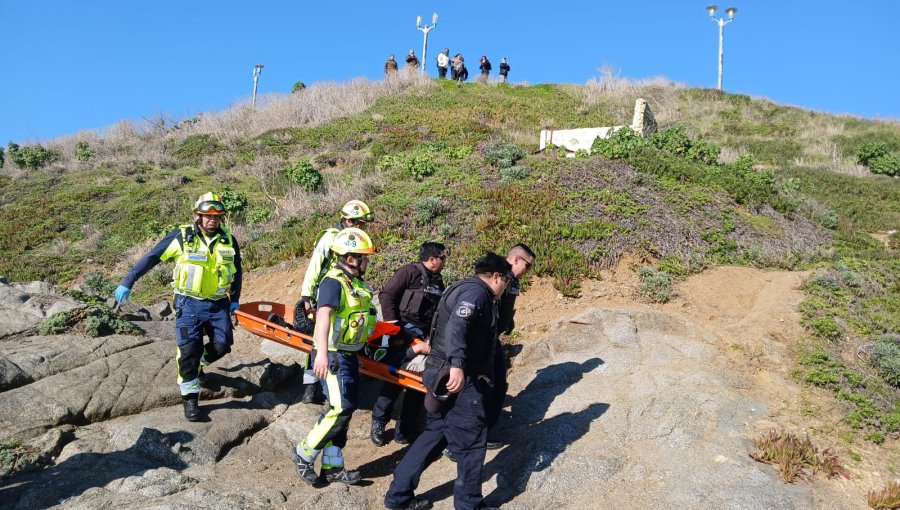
{"x":83,"y":471}
{"x":534,"y":442}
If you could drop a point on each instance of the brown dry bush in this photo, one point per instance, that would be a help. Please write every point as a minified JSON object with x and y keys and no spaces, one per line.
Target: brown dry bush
{"x":887,"y":498}
{"x":795,"y":457}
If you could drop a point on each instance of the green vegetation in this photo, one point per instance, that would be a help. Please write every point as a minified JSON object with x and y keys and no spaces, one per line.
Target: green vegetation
{"x":83,"y":152}
{"x":878,"y":158}
{"x":657,"y":285}
{"x":16,"y":457}
{"x":887,"y":498}
{"x":95,"y":320}
{"x":303,"y":174}
{"x":32,"y":156}
{"x":298,"y":86}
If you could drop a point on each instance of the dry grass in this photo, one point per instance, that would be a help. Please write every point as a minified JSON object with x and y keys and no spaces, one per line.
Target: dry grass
{"x":795,"y":456}
{"x":660,"y":92}
{"x":887,"y":498}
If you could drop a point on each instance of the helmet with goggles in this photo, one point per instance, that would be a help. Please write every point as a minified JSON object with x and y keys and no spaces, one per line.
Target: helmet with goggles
{"x":210,"y":203}
{"x":352,"y":240}
{"x":357,"y":210}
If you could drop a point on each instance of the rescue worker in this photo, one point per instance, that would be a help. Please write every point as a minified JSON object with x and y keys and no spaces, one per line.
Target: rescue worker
{"x":457,"y":377}
{"x":355,"y":213}
{"x":520,"y":258}
{"x":207,"y":286}
{"x":409,"y":298}
{"x":345,"y":318}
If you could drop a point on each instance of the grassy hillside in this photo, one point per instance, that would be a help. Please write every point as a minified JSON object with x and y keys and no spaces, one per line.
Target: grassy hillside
{"x":729,"y":179}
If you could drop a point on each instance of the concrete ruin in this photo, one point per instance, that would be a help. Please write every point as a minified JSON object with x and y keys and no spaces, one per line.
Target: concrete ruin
{"x":642,"y":123}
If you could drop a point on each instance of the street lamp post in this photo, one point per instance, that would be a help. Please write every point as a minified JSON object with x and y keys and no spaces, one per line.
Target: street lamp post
{"x":256,"y":71}
{"x":425,"y":29}
{"x":721,"y":22}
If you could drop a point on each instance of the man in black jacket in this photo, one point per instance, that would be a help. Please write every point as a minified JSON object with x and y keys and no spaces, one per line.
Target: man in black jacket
{"x":409,"y":298}
{"x":457,"y":377}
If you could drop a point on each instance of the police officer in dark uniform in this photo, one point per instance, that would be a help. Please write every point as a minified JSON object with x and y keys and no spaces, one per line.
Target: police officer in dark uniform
{"x":521,"y":258}
{"x":457,"y":378}
{"x":409,"y":298}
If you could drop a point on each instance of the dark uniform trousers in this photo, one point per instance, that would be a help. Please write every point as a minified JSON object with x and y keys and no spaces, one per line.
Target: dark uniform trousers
{"x":195,"y":318}
{"x":494,"y":400}
{"x":413,"y":401}
{"x":461,"y":423}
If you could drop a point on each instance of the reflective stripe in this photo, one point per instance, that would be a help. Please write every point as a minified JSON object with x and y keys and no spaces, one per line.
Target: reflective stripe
{"x":329,"y":418}
{"x":189,"y":387}
{"x":332,"y":457}
{"x":306,"y":453}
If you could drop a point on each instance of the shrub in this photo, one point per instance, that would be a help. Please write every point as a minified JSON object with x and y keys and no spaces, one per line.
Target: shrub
{"x":298,"y":86}
{"x":621,"y":144}
{"x":673,"y":140}
{"x":704,"y":152}
{"x":55,"y":324}
{"x":235,"y":201}
{"x":16,"y":457}
{"x":826,"y":327}
{"x":32,"y":156}
{"x":887,"y":498}
{"x":83,"y":152}
{"x":886,"y":357}
{"x":100,"y":284}
{"x":502,"y":154}
{"x":794,"y":456}
{"x":2,"y":157}
{"x":427,"y":209}
{"x":417,"y":164}
{"x":304,"y":174}
{"x":889,"y":165}
{"x":512,"y":174}
{"x":657,"y":285}
{"x":194,"y":147}
{"x":259,"y":215}
{"x":869,"y":151}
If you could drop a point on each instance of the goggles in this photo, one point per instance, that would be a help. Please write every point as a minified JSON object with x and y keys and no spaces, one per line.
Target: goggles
{"x":210,"y":207}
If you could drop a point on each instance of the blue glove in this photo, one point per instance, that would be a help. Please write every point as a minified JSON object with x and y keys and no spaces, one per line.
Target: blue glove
{"x":234,"y":306}
{"x":122,"y":293}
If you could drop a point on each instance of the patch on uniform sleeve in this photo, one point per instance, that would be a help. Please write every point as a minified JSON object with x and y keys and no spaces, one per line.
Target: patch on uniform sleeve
{"x":465,"y":309}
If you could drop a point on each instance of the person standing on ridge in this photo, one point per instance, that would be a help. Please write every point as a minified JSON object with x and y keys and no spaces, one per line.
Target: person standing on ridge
{"x":409,"y":298}
{"x":457,"y":378}
{"x":504,"y":70}
{"x":355,"y":213}
{"x":207,"y":287}
{"x":443,"y":62}
{"x":412,"y":61}
{"x":390,"y":67}
{"x":345,"y":318}
{"x":485,"y":68}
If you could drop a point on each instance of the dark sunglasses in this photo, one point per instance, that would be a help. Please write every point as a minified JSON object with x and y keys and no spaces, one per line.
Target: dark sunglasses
{"x":527,"y":263}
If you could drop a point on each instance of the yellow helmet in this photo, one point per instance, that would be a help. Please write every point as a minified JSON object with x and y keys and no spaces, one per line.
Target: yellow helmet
{"x":357,"y":210}
{"x":210,"y":203}
{"x":352,"y":240}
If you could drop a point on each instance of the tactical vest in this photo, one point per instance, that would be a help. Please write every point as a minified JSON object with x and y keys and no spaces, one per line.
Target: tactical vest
{"x":354,"y":320}
{"x":202,"y":274}
{"x":420,"y":301}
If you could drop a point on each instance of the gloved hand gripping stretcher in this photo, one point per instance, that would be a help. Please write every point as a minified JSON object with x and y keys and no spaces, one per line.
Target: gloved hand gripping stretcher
{"x":253,"y":317}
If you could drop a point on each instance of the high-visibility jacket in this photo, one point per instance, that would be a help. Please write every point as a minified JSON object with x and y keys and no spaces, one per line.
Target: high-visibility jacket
{"x":320,"y":262}
{"x":353,"y":321}
{"x":204,"y":267}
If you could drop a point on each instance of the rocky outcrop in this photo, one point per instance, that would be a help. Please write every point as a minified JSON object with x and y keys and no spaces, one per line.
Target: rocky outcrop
{"x":24,"y":306}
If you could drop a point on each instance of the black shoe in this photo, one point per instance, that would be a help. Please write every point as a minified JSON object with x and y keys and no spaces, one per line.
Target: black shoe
{"x":403,"y":438}
{"x":377,"y":434}
{"x":278,"y":320}
{"x":305,"y":470}
{"x":310,"y":395}
{"x":416,"y":504}
{"x":341,"y":475}
{"x":447,"y":453}
{"x":494,"y":445}
{"x":191,"y":409}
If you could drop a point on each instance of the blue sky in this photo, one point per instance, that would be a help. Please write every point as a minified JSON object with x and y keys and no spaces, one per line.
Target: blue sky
{"x":68,"y":66}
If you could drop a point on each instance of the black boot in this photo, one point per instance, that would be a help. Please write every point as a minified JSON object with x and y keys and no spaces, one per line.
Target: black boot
{"x":191,"y":408}
{"x":310,"y":395}
{"x":377,"y":434}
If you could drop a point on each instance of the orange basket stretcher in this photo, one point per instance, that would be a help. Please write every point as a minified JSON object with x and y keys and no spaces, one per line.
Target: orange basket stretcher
{"x":254,"y":316}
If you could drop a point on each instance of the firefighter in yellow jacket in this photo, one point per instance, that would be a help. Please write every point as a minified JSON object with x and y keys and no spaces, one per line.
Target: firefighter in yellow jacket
{"x":345,"y":318}
{"x":207,"y":286}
